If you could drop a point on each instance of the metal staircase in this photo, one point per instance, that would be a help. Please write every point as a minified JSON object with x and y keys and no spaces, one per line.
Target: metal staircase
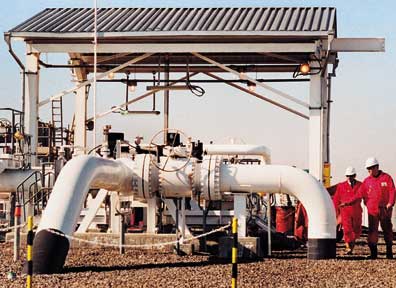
{"x":57,"y":121}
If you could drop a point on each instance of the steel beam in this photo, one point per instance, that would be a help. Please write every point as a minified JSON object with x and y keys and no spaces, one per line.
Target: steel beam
{"x":101,"y":76}
{"x":260,"y":96}
{"x":175,"y":48}
{"x":357,"y":45}
{"x":245,"y":77}
{"x":123,"y":105}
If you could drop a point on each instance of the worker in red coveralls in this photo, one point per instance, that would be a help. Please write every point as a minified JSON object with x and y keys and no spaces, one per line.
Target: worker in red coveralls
{"x":378,"y":193}
{"x":351,"y":215}
{"x":301,"y":224}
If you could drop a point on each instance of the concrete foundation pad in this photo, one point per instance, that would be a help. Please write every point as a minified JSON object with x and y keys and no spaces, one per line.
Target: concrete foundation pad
{"x":248,"y":247}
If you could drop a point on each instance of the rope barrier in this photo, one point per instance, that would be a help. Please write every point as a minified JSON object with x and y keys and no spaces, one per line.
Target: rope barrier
{"x":12,"y":228}
{"x":181,"y":241}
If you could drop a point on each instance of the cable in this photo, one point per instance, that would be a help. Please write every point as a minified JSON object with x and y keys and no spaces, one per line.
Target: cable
{"x":90,"y":151}
{"x":195,"y":89}
{"x":318,"y":70}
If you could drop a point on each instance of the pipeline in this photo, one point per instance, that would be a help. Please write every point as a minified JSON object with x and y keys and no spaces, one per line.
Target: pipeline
{"x":210,"y":179}
{"x":65,"y":204}
{"x":253,"y":150}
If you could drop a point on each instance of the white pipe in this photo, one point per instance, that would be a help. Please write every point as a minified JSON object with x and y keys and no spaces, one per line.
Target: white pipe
{"x":74,"y":181}
{"x":2,"y":166}
{"x":257,"y":150}
{"x":10,"y":179}
{"x":288,"y":180}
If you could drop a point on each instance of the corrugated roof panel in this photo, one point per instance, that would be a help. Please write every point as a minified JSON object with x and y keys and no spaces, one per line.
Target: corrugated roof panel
{"x":32,"y":22}
{"x":70,"y":20}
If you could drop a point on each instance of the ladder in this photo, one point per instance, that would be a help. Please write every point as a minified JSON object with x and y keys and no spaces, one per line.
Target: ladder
{"x":57,"y":121}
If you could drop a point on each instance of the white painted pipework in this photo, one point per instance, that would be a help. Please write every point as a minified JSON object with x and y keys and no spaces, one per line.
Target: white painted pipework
{"x":288,"y":180}
{"x":10,"y":179}
{"x":2,"y":166}
{"x":73,"y":183}
{"x":256,"y":150}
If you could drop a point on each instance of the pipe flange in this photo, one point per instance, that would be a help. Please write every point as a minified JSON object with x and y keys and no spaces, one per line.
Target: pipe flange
{"x":143,"y":182}
{"x":210,"y":177}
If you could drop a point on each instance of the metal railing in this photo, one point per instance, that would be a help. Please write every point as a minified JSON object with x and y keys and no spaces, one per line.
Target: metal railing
{"x":38,"y":192}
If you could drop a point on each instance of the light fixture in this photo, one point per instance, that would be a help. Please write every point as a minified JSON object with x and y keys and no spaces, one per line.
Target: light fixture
{"x":132,"y":85}
{"x":111,"y":76}
{"x":251,"y":86}
{"x":304,"y":68}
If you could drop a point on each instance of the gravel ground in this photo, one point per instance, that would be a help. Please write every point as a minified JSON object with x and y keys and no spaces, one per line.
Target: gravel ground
{"x":104,"y":267}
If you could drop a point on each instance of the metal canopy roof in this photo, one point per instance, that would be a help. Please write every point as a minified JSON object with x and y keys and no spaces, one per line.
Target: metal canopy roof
{"x":124,"y":22}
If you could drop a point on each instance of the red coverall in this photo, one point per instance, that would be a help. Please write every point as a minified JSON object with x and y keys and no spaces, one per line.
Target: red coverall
{"x":351,"y":216}
{"x":377,"y":192}
{"x":301,"y":223}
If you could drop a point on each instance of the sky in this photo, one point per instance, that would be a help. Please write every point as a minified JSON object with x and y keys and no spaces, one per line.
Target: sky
{"x":363,"y":121}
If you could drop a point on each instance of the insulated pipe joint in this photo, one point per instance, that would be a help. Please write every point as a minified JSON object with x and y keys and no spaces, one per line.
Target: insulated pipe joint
{"x":179,"y":183}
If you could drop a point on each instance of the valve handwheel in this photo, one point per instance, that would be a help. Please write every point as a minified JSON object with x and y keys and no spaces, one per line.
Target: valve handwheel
{"x":153,"y":143}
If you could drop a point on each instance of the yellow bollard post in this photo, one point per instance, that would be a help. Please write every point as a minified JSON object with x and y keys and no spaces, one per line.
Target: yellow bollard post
{"x":234,"y":257}
{"x":29,"y":252}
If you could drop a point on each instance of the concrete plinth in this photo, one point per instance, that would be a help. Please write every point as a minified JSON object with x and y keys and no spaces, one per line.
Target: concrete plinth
{"x":248,"y":247}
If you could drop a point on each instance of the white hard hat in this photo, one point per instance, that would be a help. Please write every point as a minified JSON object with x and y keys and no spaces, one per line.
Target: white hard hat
{"x":350,"y":171}
{"x":371,"y":161}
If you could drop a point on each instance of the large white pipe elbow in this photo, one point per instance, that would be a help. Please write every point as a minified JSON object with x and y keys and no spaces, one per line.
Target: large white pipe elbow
{"x":292,"y":181}
{"x":72,"y":186}
{"x":66,"y":201}
{"x":256,"y":150}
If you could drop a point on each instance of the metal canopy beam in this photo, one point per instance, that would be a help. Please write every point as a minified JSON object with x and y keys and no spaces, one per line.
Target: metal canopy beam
{"x":245,"y":77}
{"x":260,"y":96}
{"x":358,"y":45}
{"x":175,"y":48}
{"x":123,"y":105}
{"x":57,"y":96}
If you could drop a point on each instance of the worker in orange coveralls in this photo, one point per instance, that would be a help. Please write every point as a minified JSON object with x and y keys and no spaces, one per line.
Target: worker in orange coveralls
{"x":351,"y":215}
{"x":378,"y":193}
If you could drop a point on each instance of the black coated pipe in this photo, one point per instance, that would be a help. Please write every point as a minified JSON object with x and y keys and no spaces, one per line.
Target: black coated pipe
{"x":207,"y":80}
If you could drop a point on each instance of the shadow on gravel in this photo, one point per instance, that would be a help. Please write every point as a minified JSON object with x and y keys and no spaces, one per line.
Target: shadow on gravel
{"x":215,"y":261}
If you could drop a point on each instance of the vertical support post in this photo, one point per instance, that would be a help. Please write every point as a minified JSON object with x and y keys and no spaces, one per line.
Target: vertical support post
{"x":166,"y":98}
{"x":29,"y":253}
{"x":177,"y":227}
{"x":269,"y":224}
{"x":114,"y":206}
{"x":316,"y":125}
{"x":17,"y":231}
{"x":122,"y":234}
{"x":234,"y":255}
{"x":240,"y":213}
{"x":31,"y":102}
{"x":80,"y":112}
{"x":151,"y":214}
{"x":183,"y":218}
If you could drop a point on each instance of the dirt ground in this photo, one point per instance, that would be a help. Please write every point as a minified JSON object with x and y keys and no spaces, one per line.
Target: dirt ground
{"x":105,"y":267}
